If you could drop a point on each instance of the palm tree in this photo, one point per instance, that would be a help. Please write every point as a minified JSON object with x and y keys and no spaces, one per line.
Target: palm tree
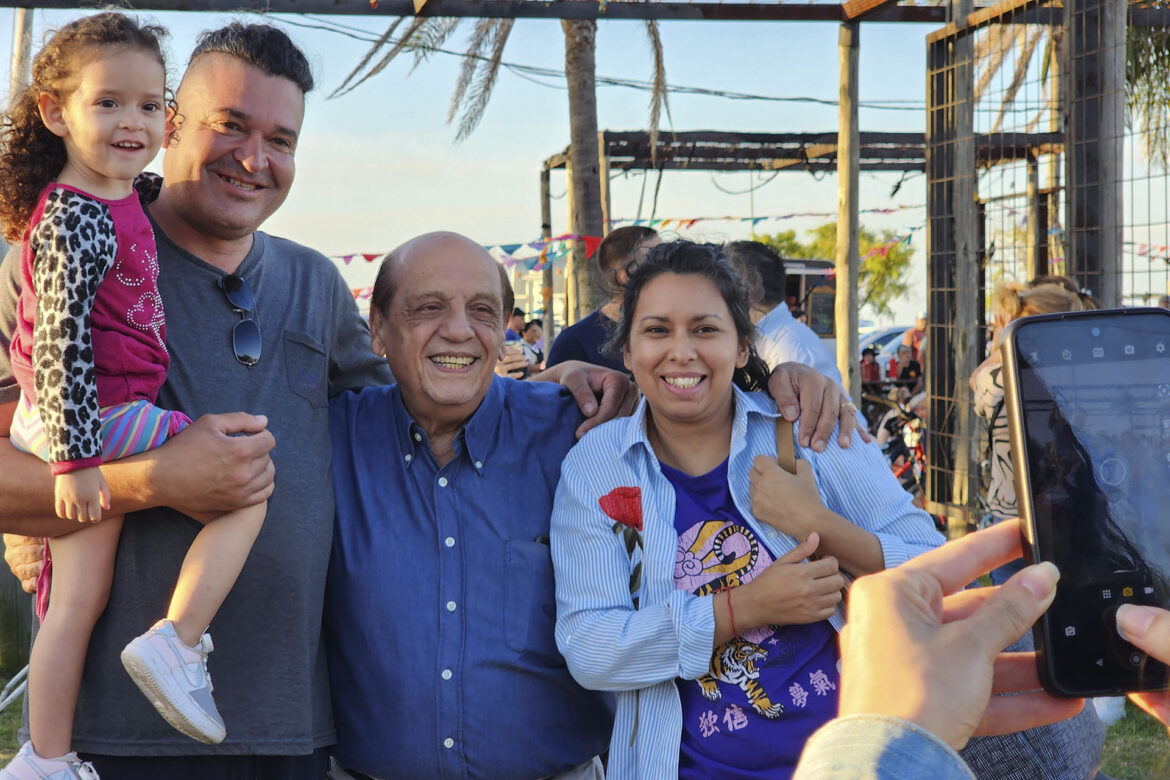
{"x":1147,"y":77}
{"x":481,"y":65}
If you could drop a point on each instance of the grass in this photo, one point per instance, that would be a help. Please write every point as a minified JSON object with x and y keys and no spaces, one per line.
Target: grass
{"x":9,"y":725}
{"x":1136,"y":747}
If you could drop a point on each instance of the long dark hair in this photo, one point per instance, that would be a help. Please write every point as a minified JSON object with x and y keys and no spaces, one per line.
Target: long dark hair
{"x":31,"y":156}
{"x":687,"y":258}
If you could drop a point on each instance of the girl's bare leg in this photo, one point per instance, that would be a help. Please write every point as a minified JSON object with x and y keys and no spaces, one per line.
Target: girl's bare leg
{"x":210,"y":569}
{"x":83,"y":568}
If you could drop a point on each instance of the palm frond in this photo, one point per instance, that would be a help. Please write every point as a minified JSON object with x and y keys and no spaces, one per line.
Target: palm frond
{"x":658,"y":95}
{"x":369,"y":56}
{"x":481,"y":90}
{"x":993,"y":52}
{"x":403,"y":43}
{"x":1147,"y":71}
{"x":432,"y":37}
{"x":1018,"y":76}
{"x":471,"y":60}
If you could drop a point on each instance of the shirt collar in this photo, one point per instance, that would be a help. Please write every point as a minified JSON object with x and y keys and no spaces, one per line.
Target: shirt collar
{"x":746,"y":404}
{"x":778,"y":317}
{"x":473,"y":442}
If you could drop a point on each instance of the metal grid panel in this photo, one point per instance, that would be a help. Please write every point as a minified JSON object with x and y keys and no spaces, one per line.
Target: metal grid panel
{"x":1088,"y":198}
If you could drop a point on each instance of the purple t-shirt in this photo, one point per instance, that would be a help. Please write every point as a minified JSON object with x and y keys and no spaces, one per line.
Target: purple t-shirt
{"x":768,"y":689}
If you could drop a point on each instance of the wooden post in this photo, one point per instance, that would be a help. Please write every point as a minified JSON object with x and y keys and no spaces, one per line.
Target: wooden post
{"x":548,"y":275}
{"x":965,"y":340}
{"x":572,"y":290}
{"x":1095,"y":86}
{"x":603,"y":173}
{"x":848,"y":167}
{"x":1037,"y":229}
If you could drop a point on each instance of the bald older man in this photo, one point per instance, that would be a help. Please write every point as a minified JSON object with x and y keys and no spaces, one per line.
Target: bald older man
{"x":440,"y":606}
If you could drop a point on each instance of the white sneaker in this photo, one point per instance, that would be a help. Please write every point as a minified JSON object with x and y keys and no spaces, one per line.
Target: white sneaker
{"x":27,"y":765}
{"x":1110,"y":709}
{"x":174,"y":677}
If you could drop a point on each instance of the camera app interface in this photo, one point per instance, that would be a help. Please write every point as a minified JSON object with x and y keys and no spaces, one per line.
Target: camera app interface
{"x":1096,"y":395}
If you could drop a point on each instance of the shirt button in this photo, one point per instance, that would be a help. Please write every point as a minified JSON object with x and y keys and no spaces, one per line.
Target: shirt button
{"x":448,"y":743}
{"x":446,"y":674}
{"x":418,"y":437}
{"x":409,"y":457}
{"x":479,"y":464}
{"x":450,"y":606}
{"x":442,"y":482}
{"x":449,"y":541}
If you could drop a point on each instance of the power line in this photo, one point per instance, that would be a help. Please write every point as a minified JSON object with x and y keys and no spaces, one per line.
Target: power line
{"x":534,"y":74}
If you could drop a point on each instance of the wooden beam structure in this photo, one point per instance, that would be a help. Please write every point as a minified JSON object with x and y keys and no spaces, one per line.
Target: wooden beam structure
{"x":710,"y":150}
{"x":666,"y":10}
{"x":857,"y":10}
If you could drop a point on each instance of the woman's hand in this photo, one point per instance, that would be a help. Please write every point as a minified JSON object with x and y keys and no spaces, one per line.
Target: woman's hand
{"x":789,"y":503}
{"x":1148,"y":628}
{"x":792,"y":591}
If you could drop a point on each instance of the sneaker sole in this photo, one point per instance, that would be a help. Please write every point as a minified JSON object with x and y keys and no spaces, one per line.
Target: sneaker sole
{"x":147,"y":672}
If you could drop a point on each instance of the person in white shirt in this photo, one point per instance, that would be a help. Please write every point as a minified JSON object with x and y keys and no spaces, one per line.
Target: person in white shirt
{"x":782,"y":338}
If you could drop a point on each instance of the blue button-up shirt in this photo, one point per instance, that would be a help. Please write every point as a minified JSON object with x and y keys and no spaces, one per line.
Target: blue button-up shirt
{"x":440,"y":609}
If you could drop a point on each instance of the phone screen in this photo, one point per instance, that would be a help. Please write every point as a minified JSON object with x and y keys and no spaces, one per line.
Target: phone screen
{"x":1094,"y":409}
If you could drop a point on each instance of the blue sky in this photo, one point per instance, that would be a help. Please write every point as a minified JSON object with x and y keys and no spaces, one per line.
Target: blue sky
{"x":380,"y":164}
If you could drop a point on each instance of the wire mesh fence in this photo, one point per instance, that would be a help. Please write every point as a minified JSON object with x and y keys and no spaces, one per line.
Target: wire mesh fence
{"x":1046,"y":155}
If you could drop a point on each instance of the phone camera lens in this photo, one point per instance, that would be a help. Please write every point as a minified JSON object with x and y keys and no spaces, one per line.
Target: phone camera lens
{"x":1096,"y":332}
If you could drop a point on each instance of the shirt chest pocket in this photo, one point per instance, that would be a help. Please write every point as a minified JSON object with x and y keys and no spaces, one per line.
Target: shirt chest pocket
{"x":305,"y":366}
{"x":530,"y":610}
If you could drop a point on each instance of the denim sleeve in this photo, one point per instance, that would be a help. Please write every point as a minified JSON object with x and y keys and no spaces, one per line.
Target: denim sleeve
{"x":878,"y":748}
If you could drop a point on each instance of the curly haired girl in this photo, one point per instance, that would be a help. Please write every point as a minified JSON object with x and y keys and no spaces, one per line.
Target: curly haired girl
{"x":90,"y":355}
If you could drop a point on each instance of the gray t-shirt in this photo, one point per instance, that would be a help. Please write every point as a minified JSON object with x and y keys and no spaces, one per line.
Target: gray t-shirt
{"x":268,"y":665}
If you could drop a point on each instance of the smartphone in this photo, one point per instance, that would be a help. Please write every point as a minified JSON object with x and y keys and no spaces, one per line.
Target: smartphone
{"x":1087,"y":396}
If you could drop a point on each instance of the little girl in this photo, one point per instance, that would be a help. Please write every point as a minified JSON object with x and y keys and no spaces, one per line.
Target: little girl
{"x":89,"y":354}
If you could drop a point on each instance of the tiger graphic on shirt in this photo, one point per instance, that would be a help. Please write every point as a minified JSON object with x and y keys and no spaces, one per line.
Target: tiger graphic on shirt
{"x":735,"y":663}
{"x":722,"y":555}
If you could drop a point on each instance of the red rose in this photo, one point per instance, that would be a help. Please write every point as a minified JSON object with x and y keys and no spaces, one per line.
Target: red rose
{"x":624,"y":505}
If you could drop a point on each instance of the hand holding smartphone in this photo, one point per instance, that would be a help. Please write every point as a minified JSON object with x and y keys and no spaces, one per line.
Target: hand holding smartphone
{"x":1088,"y":402}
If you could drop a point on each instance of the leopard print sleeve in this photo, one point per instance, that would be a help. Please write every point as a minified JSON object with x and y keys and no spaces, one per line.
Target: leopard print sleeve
{"x":73,"y":246}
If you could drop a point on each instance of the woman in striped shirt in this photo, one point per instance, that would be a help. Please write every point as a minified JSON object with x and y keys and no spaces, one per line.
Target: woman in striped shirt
{"x":682,"y":551}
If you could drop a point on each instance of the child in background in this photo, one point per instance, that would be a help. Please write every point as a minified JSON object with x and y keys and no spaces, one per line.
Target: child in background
{"x":89,"y":354}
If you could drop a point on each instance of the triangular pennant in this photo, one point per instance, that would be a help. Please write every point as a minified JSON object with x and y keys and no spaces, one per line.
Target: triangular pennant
{"x":591,"y":244}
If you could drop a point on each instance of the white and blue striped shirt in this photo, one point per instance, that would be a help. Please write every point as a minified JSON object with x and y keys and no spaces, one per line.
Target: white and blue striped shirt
{"x":638,"y":653}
